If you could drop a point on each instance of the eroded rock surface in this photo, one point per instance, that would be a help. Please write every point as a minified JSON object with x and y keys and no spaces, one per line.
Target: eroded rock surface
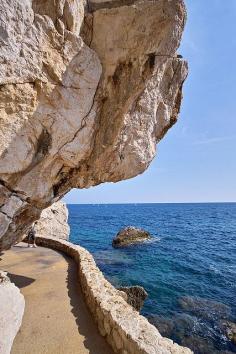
{"x":130,"y":235}
{"x":87,"y":90}
{"x":135,"y":295}
{"x":12,"y":305}
{"x":229,"y":328}
{"x":53,"y":222}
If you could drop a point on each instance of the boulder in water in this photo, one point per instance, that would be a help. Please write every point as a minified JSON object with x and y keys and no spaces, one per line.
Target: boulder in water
{"x":229,"y":329}
{"x":130,"y":235}
{"x":135,"y":296}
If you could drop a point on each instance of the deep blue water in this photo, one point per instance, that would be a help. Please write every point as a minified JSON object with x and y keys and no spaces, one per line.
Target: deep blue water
{"x":188,"y":269}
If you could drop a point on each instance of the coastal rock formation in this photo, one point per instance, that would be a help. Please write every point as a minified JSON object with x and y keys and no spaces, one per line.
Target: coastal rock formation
{"x":164,"y":325}
{"x":129,"y":236}
{"x":229,"y":329}
{"x":135,"y":295}
{"x":53,"y":222}
{"x":204,"y":308}
{"x":12,"y":307}
{"x":87,"y":89}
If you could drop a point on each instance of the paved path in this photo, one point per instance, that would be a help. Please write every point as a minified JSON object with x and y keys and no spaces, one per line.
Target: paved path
{"x":56,"y":320}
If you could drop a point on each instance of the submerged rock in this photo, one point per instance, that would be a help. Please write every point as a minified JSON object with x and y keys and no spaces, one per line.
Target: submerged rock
{"x":205,"y":308}
{"x":199,"y":345}
{"x":164,"y":325}
{"x":136,"y":295}
{"x":130,"y":235}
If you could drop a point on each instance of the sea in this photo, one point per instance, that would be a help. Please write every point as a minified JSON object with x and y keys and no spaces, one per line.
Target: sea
{"x":188,"y":267}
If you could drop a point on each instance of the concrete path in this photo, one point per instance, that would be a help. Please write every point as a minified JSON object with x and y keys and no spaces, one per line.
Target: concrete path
{"x":56,"y":319}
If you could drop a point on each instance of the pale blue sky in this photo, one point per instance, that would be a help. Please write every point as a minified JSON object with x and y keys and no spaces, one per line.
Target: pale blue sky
{"x":196,"y":160}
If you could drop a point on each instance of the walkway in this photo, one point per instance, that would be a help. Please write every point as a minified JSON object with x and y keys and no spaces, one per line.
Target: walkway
{"x":56,"y":319}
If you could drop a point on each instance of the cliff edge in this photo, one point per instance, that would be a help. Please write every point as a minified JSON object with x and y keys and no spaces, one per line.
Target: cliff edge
{"x":87,"y":90}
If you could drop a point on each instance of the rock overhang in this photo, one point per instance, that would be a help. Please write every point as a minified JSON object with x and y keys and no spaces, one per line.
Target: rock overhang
{"x":87,"y":90}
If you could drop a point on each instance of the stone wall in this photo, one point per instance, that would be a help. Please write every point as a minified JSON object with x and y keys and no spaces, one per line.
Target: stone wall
{"x":124,"y":328}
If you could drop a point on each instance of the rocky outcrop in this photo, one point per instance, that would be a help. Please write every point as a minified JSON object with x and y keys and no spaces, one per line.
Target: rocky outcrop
{"x":135,"y":295}
{"x":87,"y":90}
{"x":229,"y":329}
{"x":12,"y":305}
{"x":130,"y":235}
{"x":53,"y":222}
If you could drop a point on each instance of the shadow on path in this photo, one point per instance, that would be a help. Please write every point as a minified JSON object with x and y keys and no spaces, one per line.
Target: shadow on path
{"x":94,"y":342}
{"x":19,"y":280}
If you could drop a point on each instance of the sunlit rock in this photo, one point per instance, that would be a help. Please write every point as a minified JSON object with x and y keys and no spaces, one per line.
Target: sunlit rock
{"x":87,"y":90}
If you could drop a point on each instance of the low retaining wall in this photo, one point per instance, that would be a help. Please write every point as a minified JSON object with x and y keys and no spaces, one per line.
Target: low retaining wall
{"x":124,"y":328}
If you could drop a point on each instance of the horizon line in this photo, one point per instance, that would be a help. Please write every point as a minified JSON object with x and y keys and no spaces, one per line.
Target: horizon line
{"x":121,"y":203}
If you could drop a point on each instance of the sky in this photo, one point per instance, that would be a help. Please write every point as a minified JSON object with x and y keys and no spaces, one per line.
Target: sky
{"x":196,"y":160}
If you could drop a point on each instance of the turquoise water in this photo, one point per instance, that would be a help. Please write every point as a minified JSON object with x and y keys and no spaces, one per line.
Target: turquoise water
{"x":188,"y":269}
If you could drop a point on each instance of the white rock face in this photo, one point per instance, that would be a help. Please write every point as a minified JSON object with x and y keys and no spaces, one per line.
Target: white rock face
{"x":87,"y":90}
{"x":12,"y":307}
{"x":53,"y":222}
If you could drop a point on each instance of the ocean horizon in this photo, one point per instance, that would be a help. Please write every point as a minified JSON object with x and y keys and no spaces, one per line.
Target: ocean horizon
{"x":188,"y":267}
{"x":134,"y":203}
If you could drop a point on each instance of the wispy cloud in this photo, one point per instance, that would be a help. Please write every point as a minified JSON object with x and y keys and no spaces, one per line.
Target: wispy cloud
{"x":218,"y":139}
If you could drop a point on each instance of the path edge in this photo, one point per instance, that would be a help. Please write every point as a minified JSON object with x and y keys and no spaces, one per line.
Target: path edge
{"x":125,"y":330}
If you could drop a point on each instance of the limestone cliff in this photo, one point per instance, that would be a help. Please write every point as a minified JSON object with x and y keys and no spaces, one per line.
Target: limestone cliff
{"x":53,"y":222}
{"x":12,"y":307}
{"x":87,"y":90}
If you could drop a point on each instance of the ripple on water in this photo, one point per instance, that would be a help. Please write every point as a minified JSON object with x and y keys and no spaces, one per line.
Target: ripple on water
{"x":188,"y":268}
{"x":109,"y":257}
